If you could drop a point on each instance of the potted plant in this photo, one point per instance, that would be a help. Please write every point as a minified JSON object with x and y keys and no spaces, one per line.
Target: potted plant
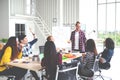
{"x":4,"y":40}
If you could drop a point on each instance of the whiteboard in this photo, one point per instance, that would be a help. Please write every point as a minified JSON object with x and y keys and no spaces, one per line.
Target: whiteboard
{"x":61,"y":36}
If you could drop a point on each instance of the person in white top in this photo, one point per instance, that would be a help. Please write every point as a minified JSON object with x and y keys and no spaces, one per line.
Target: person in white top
{"x":78,"y":39}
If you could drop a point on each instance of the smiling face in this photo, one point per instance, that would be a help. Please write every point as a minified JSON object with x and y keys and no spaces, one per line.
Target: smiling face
{"x":24,"y":41}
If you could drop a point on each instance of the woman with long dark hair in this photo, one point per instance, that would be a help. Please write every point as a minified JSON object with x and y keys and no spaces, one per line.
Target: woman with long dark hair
{"x":9,"y":53}
{"x":50,"y":59}
{"x":88,"y":60}
{"x":107,"y":53}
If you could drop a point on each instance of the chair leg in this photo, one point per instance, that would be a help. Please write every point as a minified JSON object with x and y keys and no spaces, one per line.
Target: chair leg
{"x":56,"y":77}
{"x":11,"y":78}
{"x":44,"y":77}
{"x":102,"y":77}
{"x":96,"y":76}
{"x":106,"y":77}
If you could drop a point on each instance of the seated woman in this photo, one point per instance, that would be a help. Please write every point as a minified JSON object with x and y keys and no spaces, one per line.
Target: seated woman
{"x":50,"y":58}
{"x":9,"y":53}
{"x":85,"y":68}
{"x":107,"y":54}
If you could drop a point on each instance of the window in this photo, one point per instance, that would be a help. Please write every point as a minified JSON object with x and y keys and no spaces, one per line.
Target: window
{"x":110,"y":17}
{"x":108,"y":20}
{"x":118,"y":18}
{"x":102,"y":18}
{"x":101,"y":1}
{"x":19,"y":29}
{"x":110,"y":1}
{"x":118,"y":0}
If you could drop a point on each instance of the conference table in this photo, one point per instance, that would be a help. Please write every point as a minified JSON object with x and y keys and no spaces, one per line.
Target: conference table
{"x":28,"y":63}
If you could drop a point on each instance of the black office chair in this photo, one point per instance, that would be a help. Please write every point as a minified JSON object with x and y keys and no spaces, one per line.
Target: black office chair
{"x":66,"y":67}
{"x":7,"y":77}
{"x":41,"y":49}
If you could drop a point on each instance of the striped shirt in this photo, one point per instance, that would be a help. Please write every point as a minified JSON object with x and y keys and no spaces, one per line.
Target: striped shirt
{"x":27,"y":49}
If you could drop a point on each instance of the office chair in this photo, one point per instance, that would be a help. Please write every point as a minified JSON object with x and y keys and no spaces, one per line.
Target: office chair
{"x":7,"y":77}
{"x":69,"y":67}
{"x":29,"y":75}
{"x":105,"y":68}
{"x":41,"y":49}
{"x":96,"y":70}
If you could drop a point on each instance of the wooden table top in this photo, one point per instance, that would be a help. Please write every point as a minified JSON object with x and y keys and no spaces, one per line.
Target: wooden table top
{"x":26,"y":64}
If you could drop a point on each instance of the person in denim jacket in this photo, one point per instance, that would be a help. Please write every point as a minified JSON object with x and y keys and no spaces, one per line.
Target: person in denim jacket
{"x":107,"y":53}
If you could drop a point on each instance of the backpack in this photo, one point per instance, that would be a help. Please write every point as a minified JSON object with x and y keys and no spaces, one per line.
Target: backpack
{"x":59,"y":58}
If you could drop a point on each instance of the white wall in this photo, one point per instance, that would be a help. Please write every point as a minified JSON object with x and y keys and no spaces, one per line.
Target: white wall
{"x":17,"y":7}
{"x":4,"y":22}
{"x":70,"y":12}
{"x":50,"y":10}
{"x":28,"y":24}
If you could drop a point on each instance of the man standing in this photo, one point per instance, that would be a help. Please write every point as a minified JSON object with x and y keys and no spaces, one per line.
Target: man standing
{"x":78,"y":39}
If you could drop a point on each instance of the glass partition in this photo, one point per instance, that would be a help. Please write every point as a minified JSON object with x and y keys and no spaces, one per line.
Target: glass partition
{"x":102,"y":18}
{"x":101,"y":1}
{"x":109,"y":20}
{"x":110,"y":17}
{"x":110,"y":1}
{"x":118,"y":17}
